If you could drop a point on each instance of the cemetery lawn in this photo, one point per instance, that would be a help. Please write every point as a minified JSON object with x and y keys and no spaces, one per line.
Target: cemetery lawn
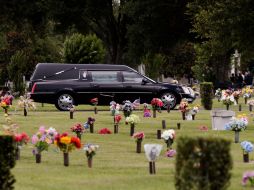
{"x":116,"y":166}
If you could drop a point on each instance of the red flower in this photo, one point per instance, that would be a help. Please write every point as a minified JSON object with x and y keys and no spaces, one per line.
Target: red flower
{"x":156,"y":102}
{"x":203,"y":128}
{"x":23,"y":137}
{"x":76,"y":142}
{"x":118,"y":118}
{"x":105,"y":131}
{"x":77,"y":128}
{"x":94,"y":101}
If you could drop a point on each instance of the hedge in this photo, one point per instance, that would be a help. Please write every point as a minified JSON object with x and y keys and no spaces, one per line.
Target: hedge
{"x":202,"y":163}
{"x":206,"y":92}
{"x":7,"y":161}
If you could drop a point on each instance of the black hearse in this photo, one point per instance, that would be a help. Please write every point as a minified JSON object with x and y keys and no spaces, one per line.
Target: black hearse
{"x":71,"y":84}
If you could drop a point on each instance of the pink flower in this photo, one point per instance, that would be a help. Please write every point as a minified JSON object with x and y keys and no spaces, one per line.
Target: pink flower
{"x":171,"y":153}
{"x":138,"y":135}
{"x":35,"y":139}
{"x":203,"y":128}
{"x":42,"y":130}
{"x":249,"y":175}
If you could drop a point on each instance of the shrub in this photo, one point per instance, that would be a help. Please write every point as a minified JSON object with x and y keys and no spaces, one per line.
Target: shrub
{"x":206,"y":92}
{"x":83,"y":49}
{"x":7,"y":157}
{"x":202,"y":163}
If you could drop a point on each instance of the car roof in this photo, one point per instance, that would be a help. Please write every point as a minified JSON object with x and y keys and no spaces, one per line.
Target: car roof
{"x":47,"y":69}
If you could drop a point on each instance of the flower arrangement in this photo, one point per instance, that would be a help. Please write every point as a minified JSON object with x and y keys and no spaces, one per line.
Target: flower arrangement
{"x":104,"y":131}
{"x":247,"y":146}
{"x":78,"y":129}
{"x":251,"y":102}
{"x":194,"y":110}
{"x":89,"y":124}
{"x":66,"y":143}
{"x":139,"y":136}
{"x":169,"y":136}
{"x":41,"y":140}
{"x":147,"y":112}
{"x":247,"y":91}
{"x":90,"y":150}
{"x":227,"y":98}
{"x":248,"y":176}
{"x":184,"y":106}
{"x":156,"y":104}
{"x":127,"y":108}
{"x":170,"y":153}
{"x":203,"y":128}
{"x":132,"y":119}
{"x":21,"y":139}
{"x":94,"y":101}
{"x":114,"y":108}
{"x":6,"y":101}
{"x":117,"y":118}
{"x":236,"y":94}
{"x":25,"y":102}
{"x":218,"y":94}
{"x":237,"y":124}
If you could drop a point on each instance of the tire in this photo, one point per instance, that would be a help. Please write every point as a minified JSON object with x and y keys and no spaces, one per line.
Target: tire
{"x":64,"y":102}
{"x":170,"y":95}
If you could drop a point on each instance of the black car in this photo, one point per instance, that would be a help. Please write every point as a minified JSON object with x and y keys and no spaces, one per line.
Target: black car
{"x":71,"y":84}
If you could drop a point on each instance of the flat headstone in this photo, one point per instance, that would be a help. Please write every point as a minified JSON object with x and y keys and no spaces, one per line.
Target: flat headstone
{"x":220,"y":118}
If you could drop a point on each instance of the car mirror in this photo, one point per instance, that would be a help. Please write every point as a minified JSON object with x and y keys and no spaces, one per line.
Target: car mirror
{"x":144,"y":81}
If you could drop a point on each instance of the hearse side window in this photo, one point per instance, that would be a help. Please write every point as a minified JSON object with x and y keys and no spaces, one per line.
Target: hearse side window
{"x":132,"y":77}
{"x":69,"y":74}
{"x":104,"y":76}
{"x":83,"y":74}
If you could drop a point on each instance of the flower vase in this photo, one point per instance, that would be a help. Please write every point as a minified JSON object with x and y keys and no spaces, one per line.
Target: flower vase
{"x":168,"y":107}
{"x":132,"y":129}
{"x":95,"y":110}
{"x":240,"y":107}
{"x":17,"y":153}
{"x":179,"y":126}
{"x":169,"y":143}
{"x":138,"y":148}
{"x":250,"y":107}
{"x":237,"y":133}
{"x":152,"y":167}
{"x":245,"y":100}
{"x":6,"y":111}
{"x":25,"y":112}
{"x":246,"y":157}
{"x":154,"y":113}
{"x":38,"y":158}
{"x":71,"y":114}
{"x":193,"y":117}
{"x":90,"y":162}
{"x":158,"y":134}
{"x":163,"y":122}
{"x":66,"y":158}
{"x":91,"y":128}
{"x":227,"y":106}
{"x":183,"y":115}
{"x":79,"y":135}
{"x":115,"y":128}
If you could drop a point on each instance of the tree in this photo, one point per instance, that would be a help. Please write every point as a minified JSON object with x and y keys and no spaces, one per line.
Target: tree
{"x":83,"y":49}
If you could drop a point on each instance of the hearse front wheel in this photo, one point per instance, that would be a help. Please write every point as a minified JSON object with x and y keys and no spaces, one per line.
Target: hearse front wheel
{"x":169,"y":97}
{"x":64,"y":102}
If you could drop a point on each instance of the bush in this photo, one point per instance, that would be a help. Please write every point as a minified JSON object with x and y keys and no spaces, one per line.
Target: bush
{"x":206,"y":92}
{"x":7,"y":157}
{"x":202,"y":163}
{"x":83,"y":49}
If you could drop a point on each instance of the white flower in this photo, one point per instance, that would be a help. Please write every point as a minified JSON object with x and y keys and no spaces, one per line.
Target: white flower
{"x":168,"y":134}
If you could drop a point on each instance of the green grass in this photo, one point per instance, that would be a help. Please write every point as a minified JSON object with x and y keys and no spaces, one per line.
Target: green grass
{"x":116,"y":166}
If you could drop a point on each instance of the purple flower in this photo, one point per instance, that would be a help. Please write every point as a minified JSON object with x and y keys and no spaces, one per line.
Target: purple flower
{"x":249,"y":175}
{"x":171,"y":153}
{"x":147,"y":113}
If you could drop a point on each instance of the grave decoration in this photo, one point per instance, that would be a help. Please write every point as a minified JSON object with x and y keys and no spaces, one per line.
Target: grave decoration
{"x":248,"y":176}
{"x":95,"y":102}
{"x":133,"y":120}
{"x":72,"y":110}
{"x":247,"y":148}
{"x":236,"y":94}
{"x":147,"y":112}
{"x":26,"y":103}
{"x":184,"y":108}
{"x":138,"y":136}
{"x":170,"y":153}
{"x":156,"y":104}
{"x":218,"y":94}
{"x":246,"y":92}
{"x":169,"y":137}
{"x":78,"y":129}
{"x":152,"y":152}
{"x":251,"y":104}
{"x":41,"y":141}
{"x":104,"y":131}
{"x":127,"y":108}
{"x":66,"y":144}
{"x":90,"y":150}
{"x":193,"y":111}
{"x":6,"y":102}
{"x":90,"y":124}
{"x":20,"y":139}
{"x":117,"y":119}
{"x":237,"y":124}
{"x":227,"y":98}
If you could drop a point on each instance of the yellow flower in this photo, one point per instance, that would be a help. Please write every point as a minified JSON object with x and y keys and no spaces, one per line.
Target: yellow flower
{"x":65,"y":140}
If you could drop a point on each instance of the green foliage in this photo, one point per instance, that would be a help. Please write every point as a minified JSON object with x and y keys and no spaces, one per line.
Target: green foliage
{"x":206,"y":92}
{"x":7,"y":157}
{"x":16,"y":70}
{"x":83,"y":49}
{"x":202,"y":163}
{"x":153,"y":64}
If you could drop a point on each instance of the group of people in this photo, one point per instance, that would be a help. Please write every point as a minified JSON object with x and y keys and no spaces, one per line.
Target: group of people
{"x":241,"y":79}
